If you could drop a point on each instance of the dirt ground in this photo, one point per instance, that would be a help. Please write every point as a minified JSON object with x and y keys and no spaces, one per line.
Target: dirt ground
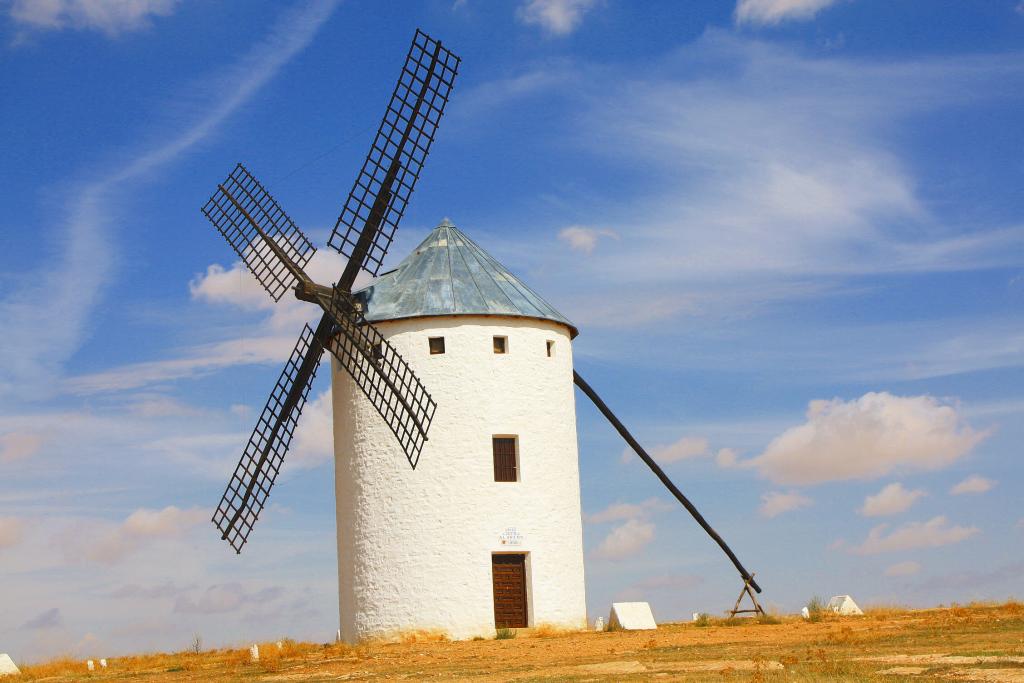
{"x":975,"y":643}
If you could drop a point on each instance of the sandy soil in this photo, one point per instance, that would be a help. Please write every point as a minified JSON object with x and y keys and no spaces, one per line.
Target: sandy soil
{"x":977,"y":643}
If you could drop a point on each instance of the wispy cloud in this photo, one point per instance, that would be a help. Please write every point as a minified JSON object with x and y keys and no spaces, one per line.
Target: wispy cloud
{"x":67,"y":290}
{"x":625,"y":540}
{"x":774,"y":503}
{"x":891,"y":500}
{"x":770,"y":12}
{"x":685,"y":448}
{"x":228,"y":597}
{"x":10,"y":531}
{"x":583,"y":238}
{"x":934,"y":533}
{"x":908,"y":568}
{"x":559,"y":17}
{"x":634,"y":533}
{"x":775,"y":178}
{"x":111,"y":17}
{"x":623,"y":511}
{"x":973,"y":484}
{"x":99,"y":542}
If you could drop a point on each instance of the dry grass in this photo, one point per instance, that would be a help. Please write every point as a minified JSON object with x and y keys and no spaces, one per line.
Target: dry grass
{"x":959,"y":642}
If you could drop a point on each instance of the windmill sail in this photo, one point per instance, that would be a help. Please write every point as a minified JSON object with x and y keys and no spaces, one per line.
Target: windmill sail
{"x":369,"y":219}
{"x":276,"y":252}
{"x":382,"y":375}
{"x":248,"y":217}
{"x":247,"y":491}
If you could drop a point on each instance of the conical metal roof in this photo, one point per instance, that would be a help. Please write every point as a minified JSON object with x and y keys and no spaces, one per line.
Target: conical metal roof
{"x":449,"y":274}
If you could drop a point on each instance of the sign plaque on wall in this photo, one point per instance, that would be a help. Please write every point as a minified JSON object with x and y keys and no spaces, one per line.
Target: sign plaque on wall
{"x":511,"y":536}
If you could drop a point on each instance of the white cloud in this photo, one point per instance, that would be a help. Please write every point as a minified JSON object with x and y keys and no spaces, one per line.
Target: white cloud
{"x":560,"y":17}
{"x":866,"y":438}
{"x":99,"y":542}
{"x":68,"y":288}
{"x":622,"y":511}
{"x":726,"y":458}
{"x":683,"y":449}
{"x":10,"y":531}
{"x":18,"y":445}
{"x":314,"y":437}
{"x":776,"y":178}
{"x":237,"y":286}
{"x":626,"y":539}
{"x":934,"y":533}
{"x":891,"y":500}
{"x":907,"y":568}
{"x":769,"y":12}
{"x":112,"y":17}
{"x":973,"y":484}
{"x":581,"y":238}
{"x":774,"y":503}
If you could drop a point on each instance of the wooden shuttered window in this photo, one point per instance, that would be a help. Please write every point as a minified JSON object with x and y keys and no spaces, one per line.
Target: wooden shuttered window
{"x":504,"y":458}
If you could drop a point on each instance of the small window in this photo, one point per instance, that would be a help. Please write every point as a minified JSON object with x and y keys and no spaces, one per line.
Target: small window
{"x":501,"y":344}
{"x":505,"y":458}
{"x":436,"y":345}
{"x":551,"y":348}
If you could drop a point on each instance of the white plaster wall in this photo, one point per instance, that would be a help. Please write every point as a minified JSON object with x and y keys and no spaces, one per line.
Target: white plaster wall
{"x":414,"y":547}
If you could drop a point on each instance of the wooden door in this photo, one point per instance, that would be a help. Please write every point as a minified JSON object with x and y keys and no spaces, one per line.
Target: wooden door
{"x":509,"y":572}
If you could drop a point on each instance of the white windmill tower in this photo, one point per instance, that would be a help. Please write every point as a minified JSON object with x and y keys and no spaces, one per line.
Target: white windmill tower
{"x":490,"y":533}
{"x":487,"y":530}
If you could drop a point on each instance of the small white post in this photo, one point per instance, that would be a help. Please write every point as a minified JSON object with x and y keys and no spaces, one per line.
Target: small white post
{"x":805,"y":613}
{"x":254,"y":653}
{"x":280,"y":646}
{"x":103,"y":664}
{"x":89,"y":665}
{"x":599,"y":624}
{"x":338,"y":638}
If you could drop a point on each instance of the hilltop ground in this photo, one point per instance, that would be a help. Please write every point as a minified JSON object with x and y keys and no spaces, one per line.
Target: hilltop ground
{"x":973,"y":643}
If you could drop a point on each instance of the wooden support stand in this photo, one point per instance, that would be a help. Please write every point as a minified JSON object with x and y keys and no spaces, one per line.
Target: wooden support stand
{"x":747,"y":591}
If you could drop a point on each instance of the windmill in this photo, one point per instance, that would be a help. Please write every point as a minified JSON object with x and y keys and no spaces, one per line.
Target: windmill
{"x":275,"y":250}
{"x":475,"y":286}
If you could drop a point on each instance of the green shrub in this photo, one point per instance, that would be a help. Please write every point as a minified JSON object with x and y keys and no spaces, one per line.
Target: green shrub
{"x":703,"y":620}
{"x":504,"y":633}
{"x":816,"y":608}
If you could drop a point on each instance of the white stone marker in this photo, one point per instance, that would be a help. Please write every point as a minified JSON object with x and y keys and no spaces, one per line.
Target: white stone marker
{"x":90,"y":665}
{"x":805,"y":613}
{"x":843,"y":604}
{"x":7,"y":666}
{"x":696,"y":616}
{"x":254,"y":653}
{"x":280,"y":645}
{"x":103,"y":664}
{"x":599,"y":624}
{"x":631,"y":616}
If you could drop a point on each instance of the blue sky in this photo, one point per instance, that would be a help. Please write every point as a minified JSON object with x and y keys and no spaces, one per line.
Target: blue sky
{"x":790,"y":231}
